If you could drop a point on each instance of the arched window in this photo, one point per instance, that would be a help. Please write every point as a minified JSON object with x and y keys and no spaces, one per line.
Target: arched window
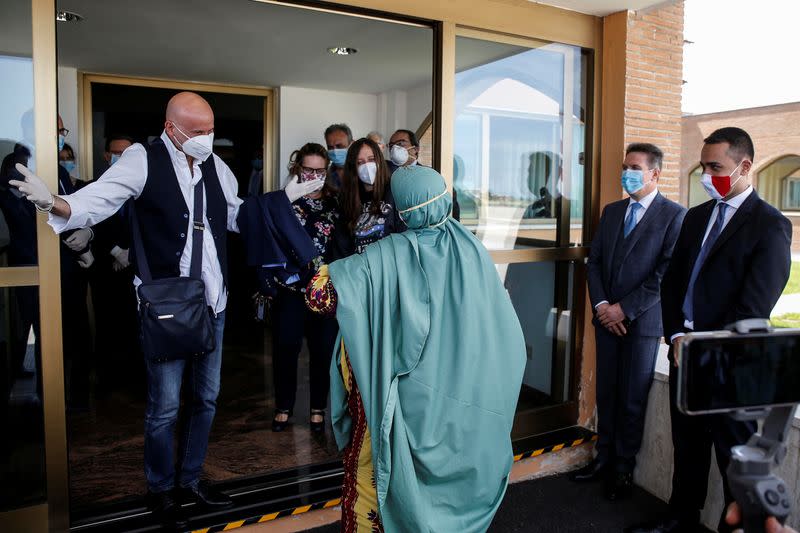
{"x":697,"y":194}
{"x":779,"y":183}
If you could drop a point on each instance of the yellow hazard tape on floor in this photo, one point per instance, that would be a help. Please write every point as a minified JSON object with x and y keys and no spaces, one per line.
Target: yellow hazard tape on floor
{"x":294,"y":511}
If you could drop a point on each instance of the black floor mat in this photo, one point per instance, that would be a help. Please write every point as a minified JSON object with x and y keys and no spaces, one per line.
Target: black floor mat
{"x":556,"y":505}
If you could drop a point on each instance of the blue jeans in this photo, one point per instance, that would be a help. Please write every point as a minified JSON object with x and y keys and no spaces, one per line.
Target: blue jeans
{"x":163,"y":400}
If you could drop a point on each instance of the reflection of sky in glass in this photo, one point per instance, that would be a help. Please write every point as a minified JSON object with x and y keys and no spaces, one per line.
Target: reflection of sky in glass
{"x":16,"y":97}
{"x":521,"y":99}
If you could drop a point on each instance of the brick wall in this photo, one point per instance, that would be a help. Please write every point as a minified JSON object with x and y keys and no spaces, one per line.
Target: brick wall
{"x":654,"y":66}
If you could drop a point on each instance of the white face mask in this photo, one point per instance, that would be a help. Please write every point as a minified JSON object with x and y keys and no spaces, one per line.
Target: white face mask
{"x":367,"y":172}
{"x":398,"y":155}
{"x":199,"y":147}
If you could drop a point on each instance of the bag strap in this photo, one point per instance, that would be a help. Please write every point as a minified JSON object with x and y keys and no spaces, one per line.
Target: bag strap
{"x":195,"y":270}
{"x":198,"y":227}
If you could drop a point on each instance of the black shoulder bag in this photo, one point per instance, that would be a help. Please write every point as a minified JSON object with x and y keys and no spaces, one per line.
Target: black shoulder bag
{"x":174,"y":315}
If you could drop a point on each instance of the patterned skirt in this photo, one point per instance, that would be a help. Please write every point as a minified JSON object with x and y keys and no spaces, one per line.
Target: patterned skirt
{"x":359,"y":495}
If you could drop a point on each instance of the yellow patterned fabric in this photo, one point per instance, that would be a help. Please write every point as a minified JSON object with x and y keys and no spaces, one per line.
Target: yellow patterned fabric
{"x":320,"y":294}
{"x":359,"y":496}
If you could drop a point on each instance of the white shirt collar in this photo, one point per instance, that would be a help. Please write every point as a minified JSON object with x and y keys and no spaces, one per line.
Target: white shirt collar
{"x":646,"y":201}
{"x":737,"y":201}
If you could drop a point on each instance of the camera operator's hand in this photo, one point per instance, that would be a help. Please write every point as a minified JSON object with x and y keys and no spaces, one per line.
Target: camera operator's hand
{"x":734,"y":516}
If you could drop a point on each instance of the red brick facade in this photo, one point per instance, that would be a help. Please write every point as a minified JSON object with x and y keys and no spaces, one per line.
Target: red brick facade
{"x":654,"y":66}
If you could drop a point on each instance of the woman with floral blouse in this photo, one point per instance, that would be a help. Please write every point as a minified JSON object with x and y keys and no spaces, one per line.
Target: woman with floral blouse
{"x":318,"y":213}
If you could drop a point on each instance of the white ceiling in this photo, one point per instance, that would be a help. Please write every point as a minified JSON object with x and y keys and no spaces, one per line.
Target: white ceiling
{"x":601,"y":8}
{"x":243,"y":42}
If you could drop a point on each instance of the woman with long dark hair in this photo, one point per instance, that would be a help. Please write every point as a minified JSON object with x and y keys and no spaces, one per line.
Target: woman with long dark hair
{"x":365,"y":200}
{"x":291,"y":320}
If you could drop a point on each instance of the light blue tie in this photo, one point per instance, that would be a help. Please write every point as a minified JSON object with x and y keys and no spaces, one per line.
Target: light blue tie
{"x":713,"y":235}
{"x":630,"y":220}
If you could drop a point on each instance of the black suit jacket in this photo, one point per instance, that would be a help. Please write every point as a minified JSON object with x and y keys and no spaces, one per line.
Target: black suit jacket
{"x":743,"y":275}
{"x":645,"y":254}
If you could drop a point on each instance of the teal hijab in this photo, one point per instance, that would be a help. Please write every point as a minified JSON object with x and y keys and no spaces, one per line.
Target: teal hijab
{"x":438,"y":355}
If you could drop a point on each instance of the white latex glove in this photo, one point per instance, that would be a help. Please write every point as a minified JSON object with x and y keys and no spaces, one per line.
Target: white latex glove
{"x":80,"y":239}
{"x":85,"y":260}
{"x":121,"y":260}
{"x":295,"y":188}
{"x":33,"y":188}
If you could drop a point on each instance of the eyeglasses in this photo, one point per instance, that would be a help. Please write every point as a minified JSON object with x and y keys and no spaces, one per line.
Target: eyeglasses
{"x":402,"y":142}
{"x":63,"y":131}
{"x":316,"y":172}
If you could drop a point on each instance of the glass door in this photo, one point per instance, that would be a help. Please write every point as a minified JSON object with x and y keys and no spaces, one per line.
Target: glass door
{"x":520,"y":173}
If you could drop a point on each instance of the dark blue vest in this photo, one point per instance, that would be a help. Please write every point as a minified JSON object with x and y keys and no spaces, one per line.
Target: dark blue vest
{"x":164,"y":217}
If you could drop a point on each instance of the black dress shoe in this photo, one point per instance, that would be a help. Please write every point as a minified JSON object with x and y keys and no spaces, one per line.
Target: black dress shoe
{"x":591,"y":472}
{"x":666,"y":525}
{"x":166,"y":510}
{"x":619,"y":486}
{"x":204,"y":495}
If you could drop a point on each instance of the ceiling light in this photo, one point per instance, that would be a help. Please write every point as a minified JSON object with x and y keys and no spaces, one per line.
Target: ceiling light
{"x":68,"y":16}
{"x":342,"y":50}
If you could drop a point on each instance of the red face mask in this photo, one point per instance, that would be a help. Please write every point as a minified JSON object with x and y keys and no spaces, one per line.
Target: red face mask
{"x":723,"y":184}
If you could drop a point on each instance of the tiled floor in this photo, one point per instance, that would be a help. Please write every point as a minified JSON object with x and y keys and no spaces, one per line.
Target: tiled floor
{"x":107,"y":443}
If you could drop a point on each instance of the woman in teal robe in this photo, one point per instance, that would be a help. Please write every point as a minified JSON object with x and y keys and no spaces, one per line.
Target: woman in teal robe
{"x":427,"y":371}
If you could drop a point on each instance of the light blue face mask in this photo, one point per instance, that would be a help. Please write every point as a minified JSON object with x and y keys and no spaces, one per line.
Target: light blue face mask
{"x":69,"y":166}
{"x":114,"y":159}
{"x":338,"y":155}
{"x":632,"y":180}
{"x":61,"y":140}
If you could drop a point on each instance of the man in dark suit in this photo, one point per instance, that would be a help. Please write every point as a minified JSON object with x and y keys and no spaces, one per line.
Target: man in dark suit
{"x":629,"y":254}
{"x":731,"y":262}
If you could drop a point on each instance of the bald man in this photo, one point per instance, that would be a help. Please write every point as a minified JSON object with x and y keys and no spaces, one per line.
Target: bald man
{"x":161,"y":179}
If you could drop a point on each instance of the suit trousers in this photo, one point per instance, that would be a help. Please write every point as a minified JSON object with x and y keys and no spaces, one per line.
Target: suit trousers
{"x":692,"y":437}
{"x":625,"y":368}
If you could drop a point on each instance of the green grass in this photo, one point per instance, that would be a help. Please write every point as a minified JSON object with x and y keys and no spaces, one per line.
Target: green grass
{"x":789,"y":320}
{"x":793,"y":286}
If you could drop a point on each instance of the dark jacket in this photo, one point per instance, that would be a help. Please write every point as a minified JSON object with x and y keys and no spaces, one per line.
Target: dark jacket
{"x":275,"y":241}
{"x":628,"y":270}
{"x":743,"y":275}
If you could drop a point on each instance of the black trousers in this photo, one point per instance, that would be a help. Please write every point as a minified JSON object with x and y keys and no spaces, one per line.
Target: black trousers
{"x":625,"y":368}
{"x":291,"y":321}
{"x":692,"y":437}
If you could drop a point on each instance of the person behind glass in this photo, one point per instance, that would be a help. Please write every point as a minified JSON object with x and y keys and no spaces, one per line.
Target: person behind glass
{"x":113,"y":295}
{"x":365,"y":201}
{"x":161,"y":179}
{"x":66,"y":158}
{"x":731,"y":262}
{"x":338,"y":138}
{"x":291,"y":319}
{"x":377,"y":138}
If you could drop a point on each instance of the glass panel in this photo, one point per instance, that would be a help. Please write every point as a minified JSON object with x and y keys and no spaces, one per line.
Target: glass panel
{"x":22,"y":461}
{"x":22,"y":466}
{"x":542,"y":297}
{"x":520,"y":137}
{"x":17,"y":135}
{"x":792,"y":198}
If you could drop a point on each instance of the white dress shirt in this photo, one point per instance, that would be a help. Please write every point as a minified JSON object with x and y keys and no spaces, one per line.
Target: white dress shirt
{"x":644,"y":203}
{"x":127,"y":178}
{"x":733,"y":205}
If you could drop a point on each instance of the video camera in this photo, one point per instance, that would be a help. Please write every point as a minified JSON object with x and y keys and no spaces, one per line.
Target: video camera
{"x":750,"y":372}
